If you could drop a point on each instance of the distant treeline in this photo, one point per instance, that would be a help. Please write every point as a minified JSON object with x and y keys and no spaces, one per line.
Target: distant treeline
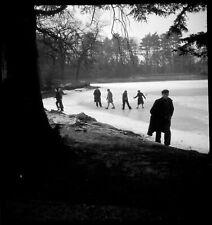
{"x":117,"y":58}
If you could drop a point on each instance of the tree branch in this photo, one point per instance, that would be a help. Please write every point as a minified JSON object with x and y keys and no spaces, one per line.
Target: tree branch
{"x":47,"y":32}
{"x":94,"y":9}
{"x":50,"y":12}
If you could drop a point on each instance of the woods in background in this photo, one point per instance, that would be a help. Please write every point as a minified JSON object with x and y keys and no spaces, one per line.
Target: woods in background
{"x":72,"y":51}
{"x":120,"y":57}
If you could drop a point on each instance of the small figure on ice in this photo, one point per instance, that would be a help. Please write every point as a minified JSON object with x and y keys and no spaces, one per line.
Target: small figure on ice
{"x":97,"y":97}
{"x":160,"y":120}
{"x":59,"y":95}
{"x":125,"y":100}
{"x":140,"y":97}
{"x":109,"y":99}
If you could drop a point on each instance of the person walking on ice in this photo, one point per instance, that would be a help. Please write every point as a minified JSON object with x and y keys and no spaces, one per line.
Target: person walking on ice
{"x":125,"y":100}
{"x":59,"y":95}
{"x":109,"y":99}
{"x":140,"y":97}
{"x":97,"y":97}
{"x":160,"y":120}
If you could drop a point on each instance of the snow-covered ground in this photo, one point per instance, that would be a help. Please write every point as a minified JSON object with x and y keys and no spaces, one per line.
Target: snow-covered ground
{"x":190,"y":122}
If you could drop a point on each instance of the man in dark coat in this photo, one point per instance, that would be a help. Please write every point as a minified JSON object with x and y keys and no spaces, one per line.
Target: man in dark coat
{"x":140,"y":97}
{"x":97,"y":97}
{"x":125,"y":100}
{"x":160,"y":121}
{"x":59,"y":95}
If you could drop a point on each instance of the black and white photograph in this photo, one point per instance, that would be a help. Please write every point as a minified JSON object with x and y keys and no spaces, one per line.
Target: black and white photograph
{"x":105,"y":113}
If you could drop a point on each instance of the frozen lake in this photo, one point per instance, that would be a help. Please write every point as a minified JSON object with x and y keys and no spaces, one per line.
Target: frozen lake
{"x":190,"y":122}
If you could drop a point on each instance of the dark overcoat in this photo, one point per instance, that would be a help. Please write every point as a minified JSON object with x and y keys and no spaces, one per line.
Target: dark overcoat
{"x":124,"y":97}
{"x":59,"y":95}
{"x":110,"y":97}
{"x":161,"y":113}
{"x":97,"y":95}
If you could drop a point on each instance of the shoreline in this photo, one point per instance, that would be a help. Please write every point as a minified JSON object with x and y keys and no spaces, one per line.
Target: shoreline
{"x":51,"y":93}
{"x":88,"y":84}
{"x":151,"y":78}
{"x":62,"y":119}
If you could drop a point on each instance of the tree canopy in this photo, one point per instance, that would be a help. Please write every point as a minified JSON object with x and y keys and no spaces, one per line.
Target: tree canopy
{"x":140,"y":12}
{"x":75,"y":49}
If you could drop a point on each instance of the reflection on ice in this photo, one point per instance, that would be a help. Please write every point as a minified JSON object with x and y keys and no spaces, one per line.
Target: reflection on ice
{"x":190,"y":122}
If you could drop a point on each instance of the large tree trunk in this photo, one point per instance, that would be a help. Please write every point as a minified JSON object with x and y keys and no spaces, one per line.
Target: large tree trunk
{"x":29,"y":142}
{"x":24,"y":118}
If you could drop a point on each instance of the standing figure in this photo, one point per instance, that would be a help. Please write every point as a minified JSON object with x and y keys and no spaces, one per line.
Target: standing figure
{"x":140,"y":96}
{"x":160,"y":121}
{"x":125,"y":100}
{"x":58,"y":95}
{"x":109,"y":99}
{"x":97,"y":97}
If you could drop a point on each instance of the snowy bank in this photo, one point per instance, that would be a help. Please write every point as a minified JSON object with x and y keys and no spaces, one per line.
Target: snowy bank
{"x":84,"y":130}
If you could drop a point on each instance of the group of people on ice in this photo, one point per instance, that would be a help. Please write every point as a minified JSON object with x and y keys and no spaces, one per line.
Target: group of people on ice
{"x":161,"y":111}
{"x":97,"y":99}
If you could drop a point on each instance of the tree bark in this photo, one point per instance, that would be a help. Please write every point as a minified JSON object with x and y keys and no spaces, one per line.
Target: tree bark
{"x":29,"y":141}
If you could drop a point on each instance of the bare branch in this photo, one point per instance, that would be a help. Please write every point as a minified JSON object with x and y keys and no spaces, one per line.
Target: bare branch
{"x":94,"y":9}
{"x":114,"y":16}
{"x":47,"y":32}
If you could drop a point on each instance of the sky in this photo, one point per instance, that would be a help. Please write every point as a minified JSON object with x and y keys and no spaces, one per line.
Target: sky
{"x":196,"y":22}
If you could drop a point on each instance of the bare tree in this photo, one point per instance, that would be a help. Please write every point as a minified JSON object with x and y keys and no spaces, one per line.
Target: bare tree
{"x":140,"y":12}
{"x":84,"y":48}
{"x":60,"y":32}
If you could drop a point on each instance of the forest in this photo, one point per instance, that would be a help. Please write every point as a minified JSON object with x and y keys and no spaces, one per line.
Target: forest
{"x":71,"y":51}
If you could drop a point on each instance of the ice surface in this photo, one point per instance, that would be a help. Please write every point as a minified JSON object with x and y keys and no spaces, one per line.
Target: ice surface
{"x":190,"y":122}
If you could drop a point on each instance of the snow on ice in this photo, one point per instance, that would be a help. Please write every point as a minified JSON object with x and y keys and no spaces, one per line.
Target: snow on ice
{"x":190,"y":122}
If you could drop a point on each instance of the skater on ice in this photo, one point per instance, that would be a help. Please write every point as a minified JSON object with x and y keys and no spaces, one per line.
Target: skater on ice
{"x":125,"y":100}
{"x":109,"y":99}
{"x":59,"y":95}
{"x":140,"y":97}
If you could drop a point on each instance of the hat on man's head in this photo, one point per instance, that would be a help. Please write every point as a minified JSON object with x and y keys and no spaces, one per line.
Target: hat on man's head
{"x":165,"y":91}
